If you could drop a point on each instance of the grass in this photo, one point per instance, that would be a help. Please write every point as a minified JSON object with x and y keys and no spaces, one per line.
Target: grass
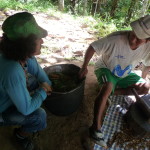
{"x":102,"y":27}
{"x":30,"y":6}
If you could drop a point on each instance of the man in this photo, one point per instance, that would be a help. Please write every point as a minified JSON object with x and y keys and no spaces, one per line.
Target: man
{"x":23,"y":83}
{"x":119,"y":53}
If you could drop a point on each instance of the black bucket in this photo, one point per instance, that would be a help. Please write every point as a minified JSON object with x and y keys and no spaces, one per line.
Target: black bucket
{"x":65,"y":103}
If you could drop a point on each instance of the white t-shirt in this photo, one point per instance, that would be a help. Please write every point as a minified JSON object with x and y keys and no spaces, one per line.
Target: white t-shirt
{"x":116,"y":55}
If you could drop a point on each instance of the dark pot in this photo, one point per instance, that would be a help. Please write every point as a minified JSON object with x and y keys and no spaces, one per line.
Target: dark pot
{"x":65,"y":103}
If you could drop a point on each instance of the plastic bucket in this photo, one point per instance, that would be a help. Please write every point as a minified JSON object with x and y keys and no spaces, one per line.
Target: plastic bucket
{"x":65,"y":103}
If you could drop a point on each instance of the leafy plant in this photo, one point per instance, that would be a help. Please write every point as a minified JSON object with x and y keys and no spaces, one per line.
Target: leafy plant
{"x":32,"y":5}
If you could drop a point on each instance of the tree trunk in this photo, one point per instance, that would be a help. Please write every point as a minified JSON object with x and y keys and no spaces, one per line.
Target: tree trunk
{"x":146,"y":4}
{"x":113,"y":8}
{"x":85,"y":7}
{"x":61,"y":5}
{"x":130,"y":11}
{"x":72,"y":7}
{"x":96,"y":6}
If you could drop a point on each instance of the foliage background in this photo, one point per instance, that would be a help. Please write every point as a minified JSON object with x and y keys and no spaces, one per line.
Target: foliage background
{"x":108,"y":15}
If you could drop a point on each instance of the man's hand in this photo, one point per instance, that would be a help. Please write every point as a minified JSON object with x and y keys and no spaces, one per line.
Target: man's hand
{"x":83,"y":72}
{"x":47,"y":88}
{"x":88,"y":55}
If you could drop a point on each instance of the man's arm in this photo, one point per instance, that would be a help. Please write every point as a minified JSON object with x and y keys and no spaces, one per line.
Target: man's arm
{"x":145,"y":71}
{"x":88,"y":55}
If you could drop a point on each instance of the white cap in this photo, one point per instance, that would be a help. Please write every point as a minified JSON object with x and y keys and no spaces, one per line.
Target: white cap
{"x":141,"y":27}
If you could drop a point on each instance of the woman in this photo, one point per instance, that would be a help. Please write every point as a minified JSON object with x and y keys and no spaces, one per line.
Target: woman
{"x":23,"y":83}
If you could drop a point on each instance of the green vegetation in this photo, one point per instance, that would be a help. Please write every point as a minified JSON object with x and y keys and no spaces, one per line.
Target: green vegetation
{"x":63,"y":82}
{"x":103,"y":17}
{"x":32,"y":5}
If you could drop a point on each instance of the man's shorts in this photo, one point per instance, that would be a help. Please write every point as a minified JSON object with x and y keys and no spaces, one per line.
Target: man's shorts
{"x":105,"y":75}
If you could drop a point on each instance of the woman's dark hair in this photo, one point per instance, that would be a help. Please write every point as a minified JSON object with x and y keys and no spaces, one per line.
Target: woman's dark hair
{"x":18,"y":50}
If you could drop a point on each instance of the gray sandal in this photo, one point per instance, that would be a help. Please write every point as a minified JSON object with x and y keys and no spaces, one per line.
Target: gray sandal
{"x":25,"y":143}
{"x":97,"y":136}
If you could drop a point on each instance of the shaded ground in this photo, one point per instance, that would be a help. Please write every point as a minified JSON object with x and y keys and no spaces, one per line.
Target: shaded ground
{"x":66,"y":43}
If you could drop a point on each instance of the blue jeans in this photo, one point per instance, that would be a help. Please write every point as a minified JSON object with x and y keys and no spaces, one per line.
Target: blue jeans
{"x":36,"y":121}
{"x":33,"y":122}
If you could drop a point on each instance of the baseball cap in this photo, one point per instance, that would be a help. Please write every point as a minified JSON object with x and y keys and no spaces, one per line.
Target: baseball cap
{"x":22,"y":25}
{"x":141,"y":27}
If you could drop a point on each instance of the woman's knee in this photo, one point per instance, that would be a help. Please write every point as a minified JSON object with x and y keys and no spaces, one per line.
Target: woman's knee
{"x":40,"y":120}
{"x":41,"y":113}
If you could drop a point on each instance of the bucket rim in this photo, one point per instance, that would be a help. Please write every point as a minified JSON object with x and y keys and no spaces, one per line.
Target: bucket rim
{"x":61,"y":65}
{"x":81,"y":82}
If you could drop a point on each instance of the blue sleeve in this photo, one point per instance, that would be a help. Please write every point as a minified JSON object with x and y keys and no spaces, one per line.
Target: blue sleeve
{"x":35,"y":69}
{"x":15,"y":86}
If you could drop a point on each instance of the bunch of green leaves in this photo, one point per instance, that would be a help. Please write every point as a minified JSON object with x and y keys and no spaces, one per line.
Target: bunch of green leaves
{"x":63,"y":82}
{"x":9,"y":4}
{"x":104,"y":28}
{"x":30,"y":5}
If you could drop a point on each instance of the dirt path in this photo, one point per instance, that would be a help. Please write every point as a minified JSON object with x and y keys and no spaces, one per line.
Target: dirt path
{"x":66,"y":42}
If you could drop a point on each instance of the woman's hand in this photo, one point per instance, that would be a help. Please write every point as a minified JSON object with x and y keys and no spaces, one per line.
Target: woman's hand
{"x":47,"y":88}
